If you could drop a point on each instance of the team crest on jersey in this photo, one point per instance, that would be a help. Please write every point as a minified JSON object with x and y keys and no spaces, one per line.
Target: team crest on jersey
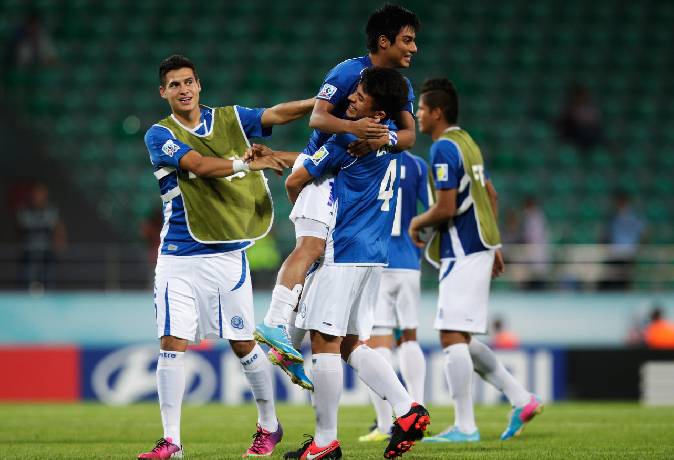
{"x":319,"y":155}
{"x":169,"y":148}
{"x":327,"y":91}
{"x":441,"y":172}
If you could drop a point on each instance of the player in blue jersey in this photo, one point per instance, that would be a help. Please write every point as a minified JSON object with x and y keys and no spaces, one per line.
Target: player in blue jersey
{"x":397,"y":305}
{"x":339,"y":295}
{"x":204,"y":290}
{"x":465,"y":211}
{"x":391,"y":33}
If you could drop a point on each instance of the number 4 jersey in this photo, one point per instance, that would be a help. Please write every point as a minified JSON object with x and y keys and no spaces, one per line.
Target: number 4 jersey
{"x":366,"y":191}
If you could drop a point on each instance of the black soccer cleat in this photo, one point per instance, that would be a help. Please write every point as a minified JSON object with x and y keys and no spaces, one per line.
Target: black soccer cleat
{"x":407,"y":430}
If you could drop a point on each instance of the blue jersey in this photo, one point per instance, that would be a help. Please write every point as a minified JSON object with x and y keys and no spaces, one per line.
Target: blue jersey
{"x":166,"y":151}
{"x":338,"y":85}
{"x":414,"y":189}
{"x":462,"y":237}
{"x":366,"y":191}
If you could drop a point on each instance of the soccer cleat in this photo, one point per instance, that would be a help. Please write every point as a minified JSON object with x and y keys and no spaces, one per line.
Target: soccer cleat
{"x":294,"y":370}
{"x":407,"y":429}
{"x":278,"y":339}
{"x":453,"y":435}
{"x":522,"y":415}
{"x":164,"y":449}
{"x":375,"y":436}
{"x":310,"y":451}
{"x":264,"y":442}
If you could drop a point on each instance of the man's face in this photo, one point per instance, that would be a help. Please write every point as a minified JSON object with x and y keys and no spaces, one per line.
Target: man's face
{"x":181,"y":90}
{"x":399,"y":53}
{"x":424,"y":117}
{"x":360,"y":105}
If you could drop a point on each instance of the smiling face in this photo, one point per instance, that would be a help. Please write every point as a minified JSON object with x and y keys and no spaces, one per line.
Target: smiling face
{"x":361,"y":105}
{"x":181,"y":90}
{"x":399,"y":53}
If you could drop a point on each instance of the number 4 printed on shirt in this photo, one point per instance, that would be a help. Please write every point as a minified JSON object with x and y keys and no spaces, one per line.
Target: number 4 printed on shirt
{"x":386,"y":186}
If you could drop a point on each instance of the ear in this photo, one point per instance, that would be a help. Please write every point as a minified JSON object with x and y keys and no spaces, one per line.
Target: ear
{"x":380,"y":114}
{"x":162,"y":92}
{"x":383,"y":42}
{"x":436,"y":113}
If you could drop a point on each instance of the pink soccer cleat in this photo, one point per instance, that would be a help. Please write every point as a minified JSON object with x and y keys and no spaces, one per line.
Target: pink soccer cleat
{"x":163,"y":450}
{"x":264,"y":442}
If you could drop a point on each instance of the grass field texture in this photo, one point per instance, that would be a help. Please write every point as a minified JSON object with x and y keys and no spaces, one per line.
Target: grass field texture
{"x":568,"y":430}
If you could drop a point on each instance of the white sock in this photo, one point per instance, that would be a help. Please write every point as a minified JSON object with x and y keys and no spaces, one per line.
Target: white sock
{"x":413,"y":369}
{"x":381,"y":407}
{"x":257,"y":369}
{"x":296,"y":334}
{"x":459,"y":373}
{"x":171,"y":388}
{"x":328,"y":376}
{"x":283,"y":302}
{"x":377,"y":374}
{"x":492,"y":370}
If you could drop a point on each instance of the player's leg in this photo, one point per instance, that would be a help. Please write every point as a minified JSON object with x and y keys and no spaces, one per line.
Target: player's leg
{"x":226,"y":311}
{"x":176,"y":324}
{"x":410,"y":355}
{"x":382,"y":342}
{"x":525,"y":404}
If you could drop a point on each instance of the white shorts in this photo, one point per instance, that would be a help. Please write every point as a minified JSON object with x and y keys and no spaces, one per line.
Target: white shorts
{"x":464,"y":293}
{"x":314,"y":202}
{"x":338,"y":300}
{"x":398,"y":300}
{"x":204,"y":297}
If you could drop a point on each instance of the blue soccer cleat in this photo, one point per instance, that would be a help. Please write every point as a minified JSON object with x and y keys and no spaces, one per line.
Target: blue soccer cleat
{"x":522,"y":415}
{"x":294,"y":370}
{"x":277,"y":338}
{"x":453,"y":435}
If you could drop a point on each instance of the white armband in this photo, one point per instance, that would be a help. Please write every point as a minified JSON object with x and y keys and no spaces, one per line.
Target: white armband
{"x":392,"y":138}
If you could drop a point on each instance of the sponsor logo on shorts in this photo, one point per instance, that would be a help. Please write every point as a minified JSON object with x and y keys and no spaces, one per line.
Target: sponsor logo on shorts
{"x":170,"y":148}
{"x":327,"y":91}
{"x":237,"y":322}
{"x":327,"y":324}
{"x":441,"y":172}
{"x":319,"y":155}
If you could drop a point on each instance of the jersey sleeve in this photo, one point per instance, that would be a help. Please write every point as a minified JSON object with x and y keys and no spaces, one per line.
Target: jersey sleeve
{"x":424,"y":185}
{"x":164,"y":148}
{"x":446,"y":162}
{"x":328,"y":158}
{"x":409,"y":106}
{"x":251,"y":122}
{"x":335,"y":87}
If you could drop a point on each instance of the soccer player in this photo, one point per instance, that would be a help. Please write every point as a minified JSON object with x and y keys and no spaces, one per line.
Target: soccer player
{"x":338,"y":302}
{"x":391,"y":33}
{"x":465,"y":211}
{"x":397,"y":304}
{"x":215,"y":205}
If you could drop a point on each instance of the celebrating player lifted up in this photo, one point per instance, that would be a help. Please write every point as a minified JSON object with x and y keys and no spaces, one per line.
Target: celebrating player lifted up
{"x":337,"y":305}
{"x":391,"y":33}
{"x":215,"y":205}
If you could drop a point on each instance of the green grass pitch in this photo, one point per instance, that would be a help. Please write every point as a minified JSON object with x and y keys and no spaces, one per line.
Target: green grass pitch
{"x":566,"y":430}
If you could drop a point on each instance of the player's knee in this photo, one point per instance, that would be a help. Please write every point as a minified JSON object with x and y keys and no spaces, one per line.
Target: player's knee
{"x":242,"y":347}
{"x":448,"y":338}
{"x":170,"y":343}
{"x":409,"y":335}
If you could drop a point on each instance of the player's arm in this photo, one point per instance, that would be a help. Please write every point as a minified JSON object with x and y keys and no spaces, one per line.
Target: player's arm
{"x":323,"y":120}
{"x":296,"y":182}
{"x":400,"y":140}
{"x":260,"y":150}
{"x":203,"y":166}
{"x":442,"y":211}
{"x":286,"y":112}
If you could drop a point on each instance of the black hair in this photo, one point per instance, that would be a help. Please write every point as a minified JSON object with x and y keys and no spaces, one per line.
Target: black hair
{"x":388,"y":21}
{"x":387,"y":88}
{"x":174,"y":62}
{"x":441,"y":93}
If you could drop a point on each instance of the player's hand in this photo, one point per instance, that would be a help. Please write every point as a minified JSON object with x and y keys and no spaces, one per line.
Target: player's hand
{"x":499,"y":265}
{"x":256,"y":151}
{"x":414,"y":233}
{"x":267,"y":162}
{"x":368,"y":128}
{"x":362,"y":147}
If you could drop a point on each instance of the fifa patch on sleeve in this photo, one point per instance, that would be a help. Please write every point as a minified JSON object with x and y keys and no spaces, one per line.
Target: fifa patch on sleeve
{"x":319,"y":155}
{"x":441,"y":172}
{"x":170,"y":148}
{"x":327,"y":91}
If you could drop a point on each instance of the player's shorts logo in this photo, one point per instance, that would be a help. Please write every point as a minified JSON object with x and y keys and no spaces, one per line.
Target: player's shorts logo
{"x":170,"y":148}
{"x":327,"y":91}
{"x":237,"y":322}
